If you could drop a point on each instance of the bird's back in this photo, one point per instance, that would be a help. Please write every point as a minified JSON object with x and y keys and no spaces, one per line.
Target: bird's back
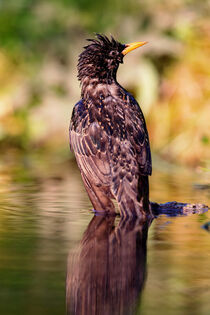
{"x":109,"y":137}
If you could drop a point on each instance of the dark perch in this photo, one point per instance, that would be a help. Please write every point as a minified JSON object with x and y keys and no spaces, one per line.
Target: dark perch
{"x":108,"y":133}
{"x":174,"y":208}
{"x":108,"y":272}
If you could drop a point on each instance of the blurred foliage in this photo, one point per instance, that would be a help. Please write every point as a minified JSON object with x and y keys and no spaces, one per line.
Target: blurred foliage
{"x":39,"y":44}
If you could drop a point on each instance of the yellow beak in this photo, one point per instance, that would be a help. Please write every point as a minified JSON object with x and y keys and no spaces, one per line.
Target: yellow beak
{"x":132,"y":46}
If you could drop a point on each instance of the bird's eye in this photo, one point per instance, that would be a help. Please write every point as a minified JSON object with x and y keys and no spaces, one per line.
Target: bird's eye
{"x":112,"y":53}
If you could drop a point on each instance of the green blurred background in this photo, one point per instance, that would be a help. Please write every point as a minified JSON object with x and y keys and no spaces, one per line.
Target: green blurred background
{"x":39,"y":45}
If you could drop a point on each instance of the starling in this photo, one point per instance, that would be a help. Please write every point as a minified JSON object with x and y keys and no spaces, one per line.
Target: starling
{"x":108,"y":133}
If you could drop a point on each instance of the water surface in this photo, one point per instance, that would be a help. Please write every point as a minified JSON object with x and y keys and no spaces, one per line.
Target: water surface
{"x":44,"y":213}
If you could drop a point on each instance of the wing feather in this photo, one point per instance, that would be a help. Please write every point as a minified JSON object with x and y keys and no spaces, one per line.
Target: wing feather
{"x":138,"y":136}
{"x":90,"y":149}
{"x":111,"y":160}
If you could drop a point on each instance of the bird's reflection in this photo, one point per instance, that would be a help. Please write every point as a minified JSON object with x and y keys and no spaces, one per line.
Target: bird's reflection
{"x":107,"y":274}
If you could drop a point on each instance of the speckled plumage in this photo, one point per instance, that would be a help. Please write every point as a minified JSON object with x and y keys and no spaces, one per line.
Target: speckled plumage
{"x":108,"y":134}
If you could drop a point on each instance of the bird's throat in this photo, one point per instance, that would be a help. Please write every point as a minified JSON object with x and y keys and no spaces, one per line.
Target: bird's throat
{"x":97,"y":88}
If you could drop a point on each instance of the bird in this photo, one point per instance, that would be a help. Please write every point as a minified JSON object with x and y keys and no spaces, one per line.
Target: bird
{"x":108,"y":133}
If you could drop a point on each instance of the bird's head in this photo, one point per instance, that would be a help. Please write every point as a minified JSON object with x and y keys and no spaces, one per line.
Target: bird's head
{"x":101,"y":58}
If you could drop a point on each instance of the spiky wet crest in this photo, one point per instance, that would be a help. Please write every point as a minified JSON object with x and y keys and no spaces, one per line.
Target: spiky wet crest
{"x":100,"y":59}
